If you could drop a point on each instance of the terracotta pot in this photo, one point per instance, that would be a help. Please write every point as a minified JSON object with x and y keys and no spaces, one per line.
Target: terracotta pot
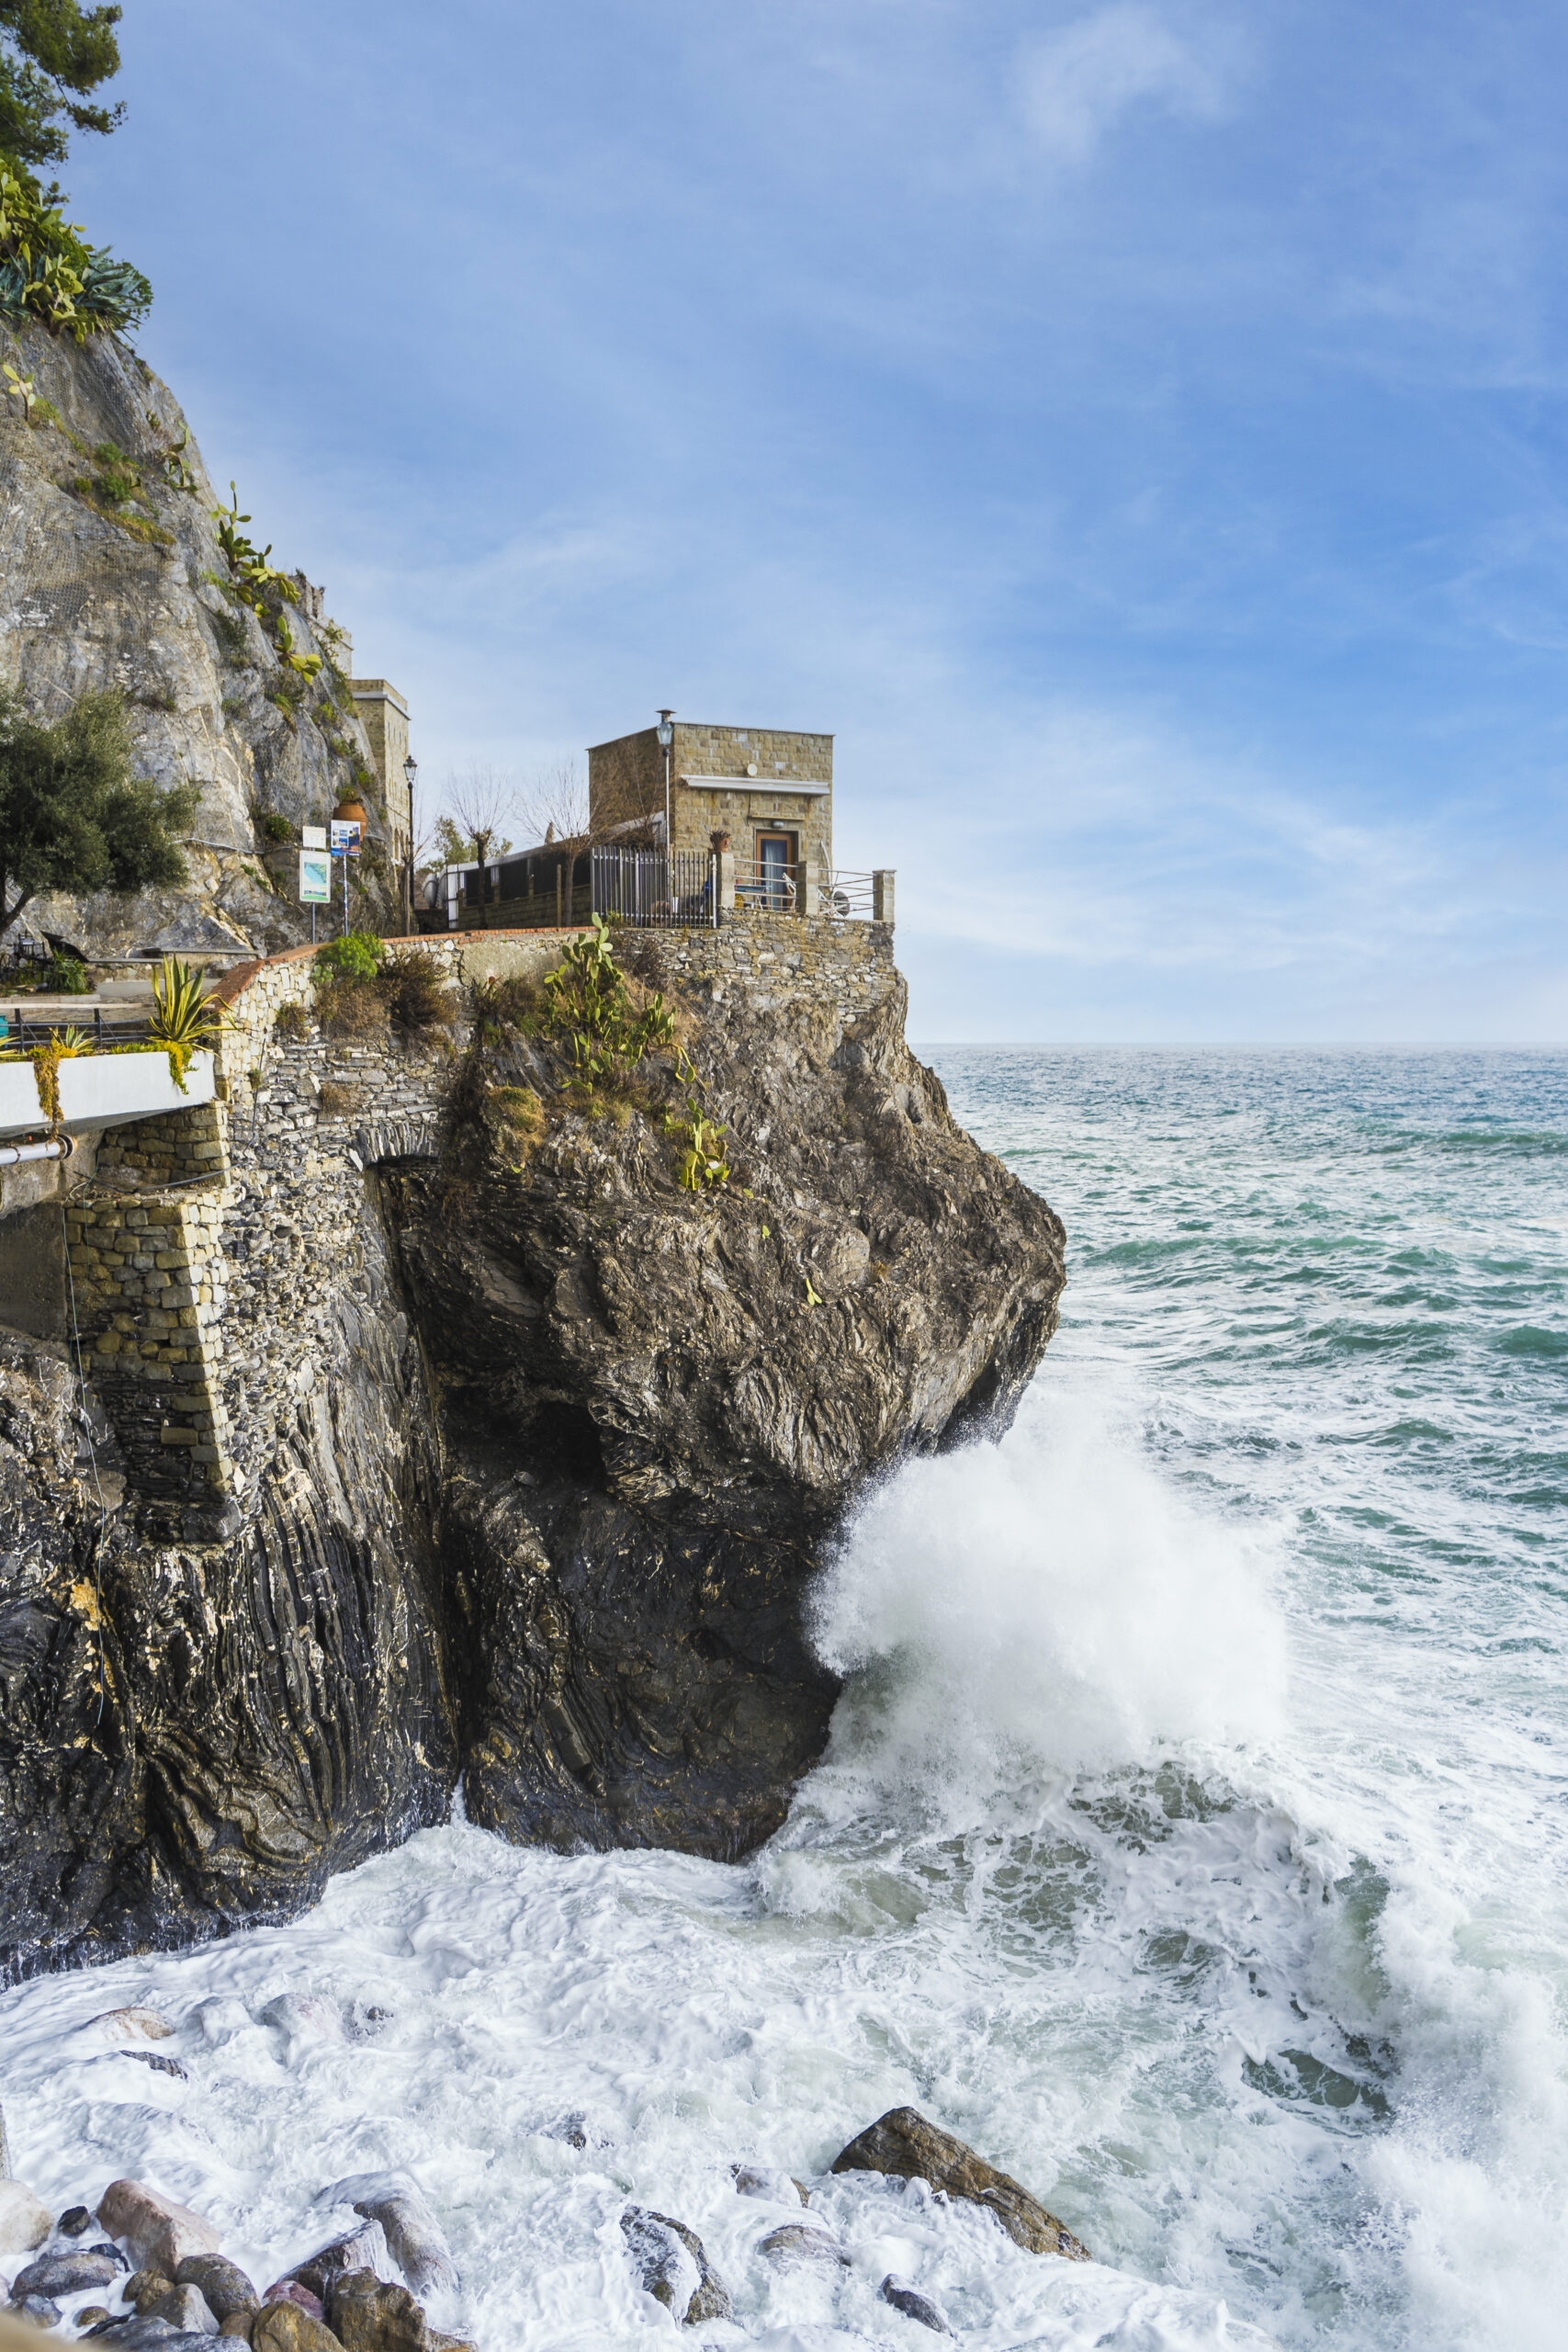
{"x":351,"y":812}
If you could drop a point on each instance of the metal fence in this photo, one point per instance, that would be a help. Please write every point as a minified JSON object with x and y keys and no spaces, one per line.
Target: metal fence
{"x":24,"y":1029}
{"x":656,"y":886}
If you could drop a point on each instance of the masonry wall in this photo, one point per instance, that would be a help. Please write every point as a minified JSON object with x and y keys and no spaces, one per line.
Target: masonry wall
{"x":231,"y":1263}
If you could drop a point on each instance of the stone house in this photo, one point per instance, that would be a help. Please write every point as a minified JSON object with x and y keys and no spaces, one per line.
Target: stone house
{"x":769,"y":788}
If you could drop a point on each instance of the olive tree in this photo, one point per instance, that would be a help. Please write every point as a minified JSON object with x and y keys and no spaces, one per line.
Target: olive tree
{"x":74,"y":814}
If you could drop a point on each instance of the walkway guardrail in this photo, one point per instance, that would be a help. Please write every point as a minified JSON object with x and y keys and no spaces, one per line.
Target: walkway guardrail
{"x":24,"y":1029}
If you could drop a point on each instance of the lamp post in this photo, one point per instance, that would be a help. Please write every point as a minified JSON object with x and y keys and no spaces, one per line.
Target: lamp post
{"x":411,"y":770}
{"x":666,"y":734}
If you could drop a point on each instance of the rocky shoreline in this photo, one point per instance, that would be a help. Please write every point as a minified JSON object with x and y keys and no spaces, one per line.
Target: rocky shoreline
{"x":137,"y":2269}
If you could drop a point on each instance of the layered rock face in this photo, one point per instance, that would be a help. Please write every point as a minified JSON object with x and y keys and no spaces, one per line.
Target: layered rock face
{"x":535,"y":1454}
{"x":102,"y":589}
{"x":656,"y":1409}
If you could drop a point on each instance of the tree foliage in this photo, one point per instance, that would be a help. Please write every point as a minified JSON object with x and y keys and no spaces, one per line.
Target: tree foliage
{"x":74,"y":814}
{"x":53,"y":55}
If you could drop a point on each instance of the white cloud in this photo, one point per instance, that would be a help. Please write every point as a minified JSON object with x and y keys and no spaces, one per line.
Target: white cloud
{"x":1078,"y":82}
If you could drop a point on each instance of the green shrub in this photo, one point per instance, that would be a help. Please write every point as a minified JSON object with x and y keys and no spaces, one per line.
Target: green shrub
{"x":274,"y":827}
{"x":356,"y":956}
{"x":67,"y":976}
{"x":291,"y":1024}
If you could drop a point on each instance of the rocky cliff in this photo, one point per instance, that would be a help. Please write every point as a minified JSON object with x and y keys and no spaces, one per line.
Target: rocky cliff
{"x":525,"y":1456}
{"x":111,"y":575}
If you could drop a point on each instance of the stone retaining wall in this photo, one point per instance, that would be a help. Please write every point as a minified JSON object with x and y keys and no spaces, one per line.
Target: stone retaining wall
{"x":214,"y":1301}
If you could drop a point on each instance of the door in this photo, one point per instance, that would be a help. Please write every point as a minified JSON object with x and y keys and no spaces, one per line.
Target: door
{"x":775,"y":862}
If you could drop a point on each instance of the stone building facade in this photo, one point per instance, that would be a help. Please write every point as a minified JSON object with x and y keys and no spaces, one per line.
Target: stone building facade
{"x":769,"y":788}
{"x":384,"y":718}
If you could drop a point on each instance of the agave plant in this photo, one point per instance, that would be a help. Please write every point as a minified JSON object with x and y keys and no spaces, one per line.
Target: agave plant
{"x":185,"y":1016}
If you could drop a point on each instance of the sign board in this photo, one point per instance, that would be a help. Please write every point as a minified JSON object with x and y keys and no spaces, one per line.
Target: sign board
{"x":313,"y":836}
{"x":315,"y":878}
{"x":345,"y":832}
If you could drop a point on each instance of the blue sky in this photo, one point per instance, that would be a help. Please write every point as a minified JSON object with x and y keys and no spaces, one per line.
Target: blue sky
{"x":1135,"y":430}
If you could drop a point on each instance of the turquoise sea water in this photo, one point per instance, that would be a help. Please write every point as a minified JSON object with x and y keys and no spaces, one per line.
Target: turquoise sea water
{"x":1192,"y":1836}
{"x":1326,"y":1290}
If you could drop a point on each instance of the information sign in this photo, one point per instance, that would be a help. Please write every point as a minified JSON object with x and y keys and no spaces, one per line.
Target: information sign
{"x":313,"y":836}
{"x":315,"y":878}
{"x":345,"y":832}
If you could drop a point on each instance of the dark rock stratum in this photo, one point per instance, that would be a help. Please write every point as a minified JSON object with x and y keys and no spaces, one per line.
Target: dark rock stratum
{"x":552,"y":1516}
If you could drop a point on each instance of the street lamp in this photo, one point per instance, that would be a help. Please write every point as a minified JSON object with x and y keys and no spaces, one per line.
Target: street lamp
{"x":411,"y":770}
{"x":666,"y":734}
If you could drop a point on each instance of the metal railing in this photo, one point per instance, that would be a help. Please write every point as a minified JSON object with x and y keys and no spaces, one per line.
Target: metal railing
{"x":766,"y":887}
{"x":656,"y":887}
{"x":849,"y":897}
{"x":22,"y":1031}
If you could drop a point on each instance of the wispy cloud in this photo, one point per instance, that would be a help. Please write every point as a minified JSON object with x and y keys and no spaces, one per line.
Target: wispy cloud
{"x":1079,"y":82}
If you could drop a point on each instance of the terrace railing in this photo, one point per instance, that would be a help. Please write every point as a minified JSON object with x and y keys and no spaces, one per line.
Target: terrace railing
{"x":657,"y":888}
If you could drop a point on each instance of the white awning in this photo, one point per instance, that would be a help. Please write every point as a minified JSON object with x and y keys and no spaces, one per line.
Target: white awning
{"x":771,"y":787}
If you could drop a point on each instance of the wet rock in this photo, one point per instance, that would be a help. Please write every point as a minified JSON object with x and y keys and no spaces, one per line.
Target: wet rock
{"x":903,"y":2143}
{"x":37,"y":2308}
{"x":913,"y":2304}
{"x":76,"y":2221}
{"x":362,"y":2249}
{"x":224,"y":2284}
{"x":145,"y":2288}
{"x":110,"y":2253}
{"x":775,"y":2188}
{"x":290,"y":2290}
{"x":284,"y":2328}
{"x":186,"y":2308}
{"x":132,"y":2025}
{"x":159,"y":2063}
{"x":370,"y":2315}
{"x":673,"y":2267}
{"x":92,"y":2316}
{"x":366,"y":2020}
{"x":142,"y":2335}
{"x":414,"y":2237}
{"x":25,"y":2220}
{"x":804,"y":2241}
{"x":5,"y":2149}
{"x":67,"y":2274}
{"x":310,"y":2015}
{"x":239,"y":2323}
{"x":160,"y":2233}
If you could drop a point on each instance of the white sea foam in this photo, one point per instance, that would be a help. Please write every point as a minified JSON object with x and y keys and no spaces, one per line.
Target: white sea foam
{"x":1052,"y":1600}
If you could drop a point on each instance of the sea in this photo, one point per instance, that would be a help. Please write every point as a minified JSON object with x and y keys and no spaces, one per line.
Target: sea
{"x":1192,"y":1839}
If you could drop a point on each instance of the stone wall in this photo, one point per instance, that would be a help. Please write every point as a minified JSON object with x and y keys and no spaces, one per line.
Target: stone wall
{"x":218,"y":1254}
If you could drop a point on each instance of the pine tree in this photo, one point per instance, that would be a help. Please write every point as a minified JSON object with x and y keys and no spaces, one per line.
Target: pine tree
{"x":53,"y":54}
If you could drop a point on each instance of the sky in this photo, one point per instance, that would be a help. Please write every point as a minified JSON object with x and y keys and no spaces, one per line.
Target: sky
{"x":1135,"y":430}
